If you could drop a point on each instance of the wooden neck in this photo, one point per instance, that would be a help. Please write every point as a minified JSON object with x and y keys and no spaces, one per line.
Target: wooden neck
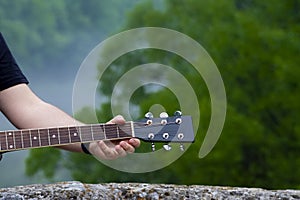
{"x":44,"y":137}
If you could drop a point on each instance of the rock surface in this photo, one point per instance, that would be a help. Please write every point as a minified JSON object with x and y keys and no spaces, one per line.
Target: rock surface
{"x":77,"y":190}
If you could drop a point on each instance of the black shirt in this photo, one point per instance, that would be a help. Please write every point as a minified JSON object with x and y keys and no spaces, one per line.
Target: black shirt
{"x":10,"y":73}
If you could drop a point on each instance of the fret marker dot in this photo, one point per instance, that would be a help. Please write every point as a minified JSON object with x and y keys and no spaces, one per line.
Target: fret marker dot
{"x":75,"y":134}
{"x":11,"y":146}
{"x":9,"y":134}
{"x":53,"y":136}
{"x":34,"y":137}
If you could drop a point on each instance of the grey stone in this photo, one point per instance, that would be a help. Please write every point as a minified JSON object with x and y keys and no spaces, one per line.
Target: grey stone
{"x":139,"y":191}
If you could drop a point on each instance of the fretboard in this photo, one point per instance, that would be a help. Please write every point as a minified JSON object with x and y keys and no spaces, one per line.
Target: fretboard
{"x":44,"y":137}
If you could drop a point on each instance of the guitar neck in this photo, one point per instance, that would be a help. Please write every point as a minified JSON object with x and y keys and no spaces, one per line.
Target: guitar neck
{"x":45,"y":137}
{"x":171,"y":129}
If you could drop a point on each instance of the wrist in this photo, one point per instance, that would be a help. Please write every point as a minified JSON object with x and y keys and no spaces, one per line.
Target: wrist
{"x":85,"y":148}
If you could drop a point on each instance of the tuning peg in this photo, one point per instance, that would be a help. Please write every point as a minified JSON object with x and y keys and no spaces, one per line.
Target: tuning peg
{"x":167,"y":147}
{"x":181,"y":147}
{"x":149,"y":115}
{"x":153,"y":146}
{"x":178,"y":113}
{"x":178,"y":120}
{"x":163,"y":115}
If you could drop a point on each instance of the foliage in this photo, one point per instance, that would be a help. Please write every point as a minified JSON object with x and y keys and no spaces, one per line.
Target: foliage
{"x":49,"y":157}
{"x":62,"y":29}
{"x":255,"y":46}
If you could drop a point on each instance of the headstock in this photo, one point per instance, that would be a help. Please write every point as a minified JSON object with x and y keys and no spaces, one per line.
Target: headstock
{"x":177,"y":129}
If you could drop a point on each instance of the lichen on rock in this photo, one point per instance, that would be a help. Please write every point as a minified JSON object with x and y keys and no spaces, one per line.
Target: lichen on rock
{"x":139,"y":191}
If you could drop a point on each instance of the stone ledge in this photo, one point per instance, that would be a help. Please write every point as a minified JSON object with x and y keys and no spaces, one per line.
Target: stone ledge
{"x":77,"y":190}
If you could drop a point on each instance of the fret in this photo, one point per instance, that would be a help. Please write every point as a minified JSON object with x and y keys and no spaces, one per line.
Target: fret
{"x":21,"y":134}
{"x":18,"y":139}
{"x":132,"y":129}
{"x":111,"y":131}
{"x":104,"y":131}
{"x":44,"y":137}
{"x":74,"y":135}
{"x":85,"y":133}
{"x":3,"y":141}
{"x":38,"y":130}
{"x":58,"y":136}
{"x":30,"y":139}
{"x":118,"y":134}
{"x":14,"y":141}
{"x":70,"y":139}
{"x":10,"y":140}
{"x":92,"y":133}
{"x":35,"y":138}
{"x":53,"y":136}
{"x":26,"y":138}
{"x":64,"y":135}
{"x":98,"y":131}
{"x":49,"y":137}
{"x":6,"y":140}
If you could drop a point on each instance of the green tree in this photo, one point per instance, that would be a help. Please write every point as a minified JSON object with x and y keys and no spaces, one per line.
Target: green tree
{"x":255,"y":44}
{"x":54,"y":33}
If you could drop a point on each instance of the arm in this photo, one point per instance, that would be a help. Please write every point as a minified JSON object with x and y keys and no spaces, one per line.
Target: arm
{"x":25,"y":110}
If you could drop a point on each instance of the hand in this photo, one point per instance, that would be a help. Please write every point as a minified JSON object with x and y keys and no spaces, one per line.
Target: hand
{"x":108,"y":150}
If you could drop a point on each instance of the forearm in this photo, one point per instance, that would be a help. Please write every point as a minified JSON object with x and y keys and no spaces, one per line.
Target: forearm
{"x":47,"y":115}
{"x":25,"y":110}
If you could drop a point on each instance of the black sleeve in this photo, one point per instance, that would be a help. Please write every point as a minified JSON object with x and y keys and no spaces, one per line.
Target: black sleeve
{"x":10,"y":73}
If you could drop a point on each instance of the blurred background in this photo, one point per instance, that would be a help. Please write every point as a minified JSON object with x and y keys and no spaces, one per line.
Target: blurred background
{"x":255,"y":44}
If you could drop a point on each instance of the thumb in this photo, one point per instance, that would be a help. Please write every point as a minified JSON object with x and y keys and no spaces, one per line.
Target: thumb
{"x":119,"y":119}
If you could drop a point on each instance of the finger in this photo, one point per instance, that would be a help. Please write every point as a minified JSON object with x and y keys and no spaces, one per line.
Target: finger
{"x":127,"y":147}
{"x":109,"y":153}
{"x":119,"y":119}
{"x":134,"y":142}
{"x":121,"y":151}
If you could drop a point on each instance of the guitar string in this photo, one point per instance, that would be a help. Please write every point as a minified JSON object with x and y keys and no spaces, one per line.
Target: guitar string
{"x":110,"y":133}
{"x":27,"y":141}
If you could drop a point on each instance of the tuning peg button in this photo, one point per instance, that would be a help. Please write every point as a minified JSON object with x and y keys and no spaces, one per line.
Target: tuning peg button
{"x":167,"y":147}
{"x":149,"y":115}
{"x":178,"y":113}
{"x":181,"y":147}
{"x":163,"y":115}
{"x":153,"y":146}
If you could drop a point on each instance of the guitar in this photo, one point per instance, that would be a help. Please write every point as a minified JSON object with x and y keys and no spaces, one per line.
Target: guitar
{"x":166,"y":129}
